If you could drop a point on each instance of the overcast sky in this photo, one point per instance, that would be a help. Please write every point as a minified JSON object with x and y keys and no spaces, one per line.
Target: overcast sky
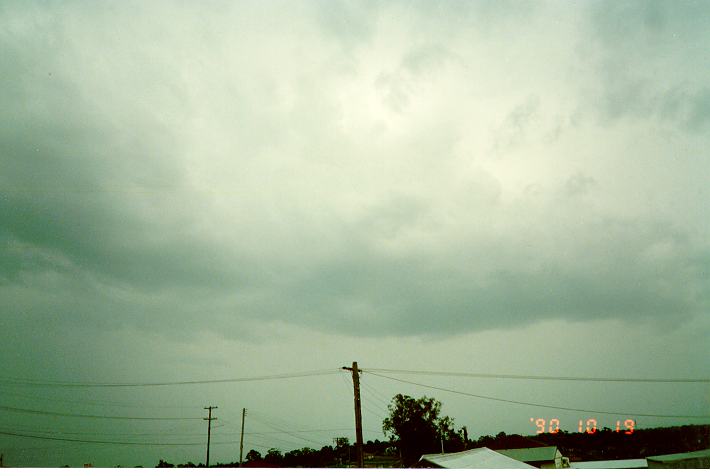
{"x":206,"y":190}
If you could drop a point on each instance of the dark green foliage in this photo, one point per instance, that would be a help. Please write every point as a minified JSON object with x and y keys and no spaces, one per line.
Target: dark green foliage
{"x":305,"y":457}
{"x":602,"y":445}
{"x":273,"y":456}
{"x":415,"y":427}
{"x":608,"y":444}
{"x":253,"y":455}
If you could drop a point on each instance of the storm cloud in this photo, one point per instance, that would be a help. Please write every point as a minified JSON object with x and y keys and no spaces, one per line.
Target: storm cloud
{"x":226,"y":164}
{"x":210,"y":189}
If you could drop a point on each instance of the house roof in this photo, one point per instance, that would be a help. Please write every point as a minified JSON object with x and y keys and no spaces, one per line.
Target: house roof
{"x":478,"y":458}
{"x":610,"y":464}
{"x":543,"y":453}
{"x":680,"y":456}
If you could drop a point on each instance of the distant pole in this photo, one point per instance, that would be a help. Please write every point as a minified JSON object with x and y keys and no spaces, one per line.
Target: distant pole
{"x":241,"y":438}
{"x":209,"y":431}
{"x":358,"y":414}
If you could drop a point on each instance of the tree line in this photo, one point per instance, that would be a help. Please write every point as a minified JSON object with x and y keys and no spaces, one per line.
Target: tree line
{"x":415,"y":426}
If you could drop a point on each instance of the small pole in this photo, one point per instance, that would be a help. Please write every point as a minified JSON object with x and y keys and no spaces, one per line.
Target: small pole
{"x":209,"y":431}
{"x":241,"y":438}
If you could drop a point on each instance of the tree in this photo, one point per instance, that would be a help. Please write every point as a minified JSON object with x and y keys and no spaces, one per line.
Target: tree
{"x":304,"y":457}
{"x":253,"y":455}
{"x":274,"y":456}
{"x":416,"y":428}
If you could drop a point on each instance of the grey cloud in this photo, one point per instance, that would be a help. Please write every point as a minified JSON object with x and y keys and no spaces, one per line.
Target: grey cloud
{"x":512,"y":131}
{"x":586,"y":270}
{"x":619,"y":22}
{"x":645,"y":50}
{"x":396,"y":90}
{"x":226,"y":189}
{"x":398,"y":85}
{"x":685,"y":107}
{"x":90,"y":178}
{"x":237,"y":194}
{"x":699,"y":115}
{"x":425,"y":57}
{"x":579,"y":184}
{"x":487,"y":16}
{"x":351,"y":24}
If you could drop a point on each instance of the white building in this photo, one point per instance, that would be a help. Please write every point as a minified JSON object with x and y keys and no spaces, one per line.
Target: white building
{"x":478,"y":458}
{"x":611,"y":464}
{"x":694,"y":459}
{"x":544,"y":457}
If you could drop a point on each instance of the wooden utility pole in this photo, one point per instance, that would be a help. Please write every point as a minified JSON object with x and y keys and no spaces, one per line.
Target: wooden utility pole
{"x":209,"y":431}
{"x":358,"y":414}
{"x":241,"y":438}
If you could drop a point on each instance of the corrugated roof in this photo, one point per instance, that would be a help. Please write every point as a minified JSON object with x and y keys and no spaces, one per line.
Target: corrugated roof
{"x":478,"y":458}
{"x":681,"y":456}
{"x":542,"y":453}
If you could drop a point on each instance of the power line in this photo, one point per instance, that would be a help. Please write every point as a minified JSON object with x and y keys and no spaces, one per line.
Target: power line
{"x":372,"y":412}
{"x":517,"y":402}
{"x":372,"y":431}
{"x":60,"y":446}
{"x":256,"y":433}
{"x":46,"y":383}
{"x":93,"y":402}
{"x":369,"y":401}
{"x":375,"y":393}
{"x":253,"y":445}
{"x":347,"y":384}
{"x":373,"y":403}
{"x":278,"y":420}
{"x":269,"y":420}
{"x":119,"y":443}
{"x":541,"y":377}
{"x":77,"y":415}
{"x":25,"y":431}
{"x":103,"y":442}
{"x":171,"y":433}
{"x":264,"y":439}
{"x":106,"y":434}
{"x":290,"y":433}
